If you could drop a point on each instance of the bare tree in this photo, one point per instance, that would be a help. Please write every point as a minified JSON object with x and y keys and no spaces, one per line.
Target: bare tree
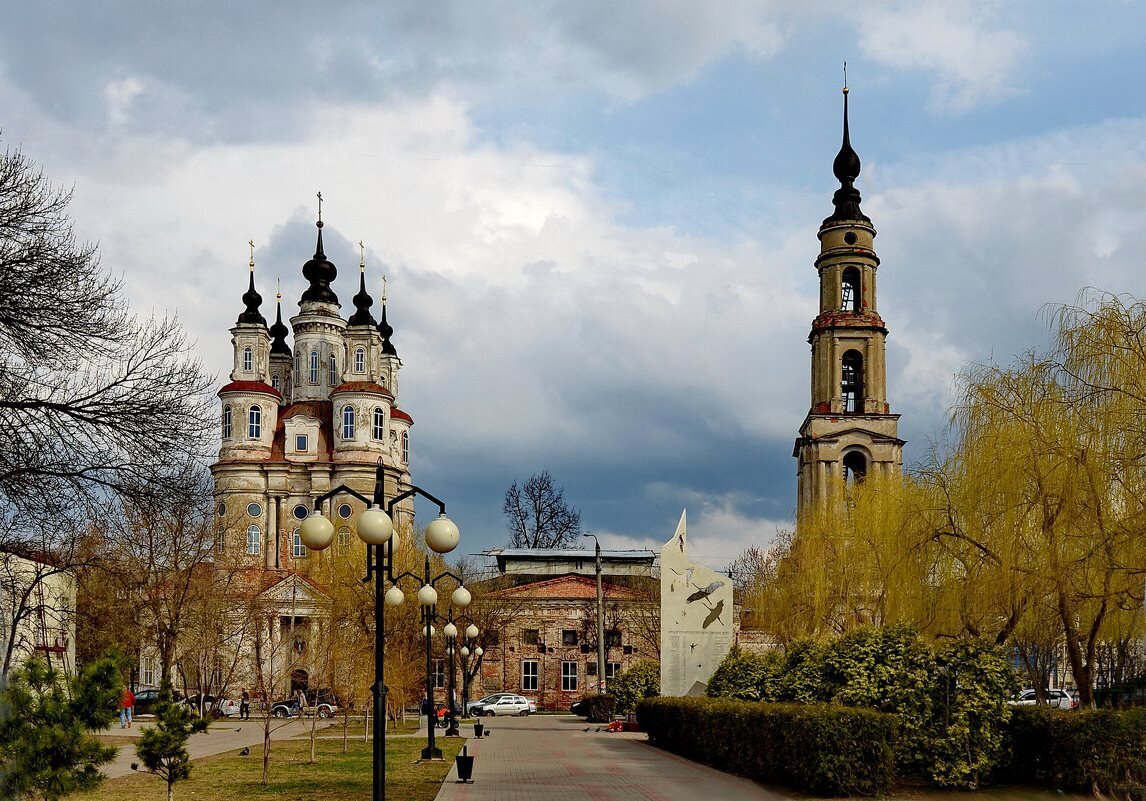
{"x":92,"y":400}
{"x":538,"y":516}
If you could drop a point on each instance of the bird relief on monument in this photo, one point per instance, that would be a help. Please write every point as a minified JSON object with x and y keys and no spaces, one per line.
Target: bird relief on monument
{"x":696,"y":618}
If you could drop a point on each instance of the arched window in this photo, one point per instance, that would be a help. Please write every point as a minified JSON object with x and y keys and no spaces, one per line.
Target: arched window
{"x":275,"y":382}
{"x":851,"y":381}
{"x":343,"y":537}
{"x":248,"y":359}
{"x":314,"y":367}
{"x":851,"y":290}
{"x":297,"y":356}
{"x":378,"y":431}
{"x":297,"y":549}
{"x":360,"y":360}
{"x":254,"y":422}
{"x":220,"y":540}
{"x":855,"y":467}
{"x":254,"y":537}
{"x":348,"y":422}
{"x":227,"y":417}
{"x":333,"y":371}
{"x":405,"y":447}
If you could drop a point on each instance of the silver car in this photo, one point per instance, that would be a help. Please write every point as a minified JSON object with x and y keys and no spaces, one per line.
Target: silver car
{"x":505,"y":705}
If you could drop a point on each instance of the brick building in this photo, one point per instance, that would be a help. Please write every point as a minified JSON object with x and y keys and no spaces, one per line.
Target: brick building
{"x":544,"y":644}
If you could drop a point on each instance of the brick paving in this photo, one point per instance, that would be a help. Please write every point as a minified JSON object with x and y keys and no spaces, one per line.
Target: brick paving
{"x":552,"y":758}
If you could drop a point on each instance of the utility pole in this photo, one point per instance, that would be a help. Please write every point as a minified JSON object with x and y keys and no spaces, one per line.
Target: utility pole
{"x":600,"y":620}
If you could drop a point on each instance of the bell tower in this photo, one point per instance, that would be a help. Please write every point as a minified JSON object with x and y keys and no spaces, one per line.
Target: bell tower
{"x":849,"y":432}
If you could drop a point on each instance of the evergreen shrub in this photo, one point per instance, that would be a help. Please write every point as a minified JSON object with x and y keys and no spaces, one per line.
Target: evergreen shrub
{"x":816,"y":748}
{"x":642,"y":680}
{"x":599,"y":708}
{"x":1094,"y":750}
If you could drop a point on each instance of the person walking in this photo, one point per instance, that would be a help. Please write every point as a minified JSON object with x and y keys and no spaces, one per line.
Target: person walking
{"x":245,"y":705}
{"x":126,"y":705}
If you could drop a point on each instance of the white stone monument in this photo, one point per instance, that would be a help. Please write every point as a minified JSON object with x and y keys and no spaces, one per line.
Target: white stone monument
{"x":696,"y":619}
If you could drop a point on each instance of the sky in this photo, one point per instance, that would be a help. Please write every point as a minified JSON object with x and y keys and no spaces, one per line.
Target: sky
{"x":598,"y":220}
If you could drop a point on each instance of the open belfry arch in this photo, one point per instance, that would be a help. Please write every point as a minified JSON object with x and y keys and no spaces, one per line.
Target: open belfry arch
{"x":849,"y":432}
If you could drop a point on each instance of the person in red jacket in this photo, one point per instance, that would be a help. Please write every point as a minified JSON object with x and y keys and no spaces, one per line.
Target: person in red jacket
{"x":126,"y":705}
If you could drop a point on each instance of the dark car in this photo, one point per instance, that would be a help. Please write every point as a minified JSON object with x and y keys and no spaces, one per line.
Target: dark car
{"x":145,"y":701}
{"x":580,"y":707}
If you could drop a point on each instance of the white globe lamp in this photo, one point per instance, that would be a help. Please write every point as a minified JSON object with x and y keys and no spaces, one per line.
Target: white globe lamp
{"x":394,"y":597}
{"x":450,"y":630}
{"x":461,"y":597}
{"x":427,"y":595}
{"x":442,"y":535}
{"x":375,"y":526}
{"x":316,"y":532}
{"x":472,"y":631}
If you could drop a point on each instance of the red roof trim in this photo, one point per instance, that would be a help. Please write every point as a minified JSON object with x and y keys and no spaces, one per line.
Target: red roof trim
{"x":251,"y":386}
{"x":401,"y":415}
{"x":363,"y":386}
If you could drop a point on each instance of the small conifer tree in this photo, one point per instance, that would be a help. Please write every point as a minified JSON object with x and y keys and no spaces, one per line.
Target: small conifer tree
{"x":163,"y":747}
{"x":47,"y":746}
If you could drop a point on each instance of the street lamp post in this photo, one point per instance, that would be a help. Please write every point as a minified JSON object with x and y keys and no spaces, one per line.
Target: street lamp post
{"x":376,"y":529}
{"x":428,"y":597}
{"x":600,"y":620}
{"x":471,"y":633}
{"x":451,"y":632}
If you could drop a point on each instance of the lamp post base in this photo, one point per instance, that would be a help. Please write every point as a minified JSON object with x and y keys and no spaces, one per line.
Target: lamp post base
{"x":431,"y":753}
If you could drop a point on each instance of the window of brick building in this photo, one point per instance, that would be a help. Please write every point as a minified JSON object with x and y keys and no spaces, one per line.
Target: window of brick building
{"x":613,"y":638}
{"x":569,"y":637}
{"x":612,"y":670}
{"x":439,"y":673}
{"x":568,"y":676}
{"x":531,"y":636}
{"x":529,"y":674}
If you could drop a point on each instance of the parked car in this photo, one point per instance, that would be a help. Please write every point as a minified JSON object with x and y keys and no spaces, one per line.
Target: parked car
{"x":506,"y":705}
{"x":211,"y":706}
{"x":489,"y":699}
{"x":326,"y":707}
{"x":1059,"y":699}
{"x":145,"y":700}
{"x":580,"y":707}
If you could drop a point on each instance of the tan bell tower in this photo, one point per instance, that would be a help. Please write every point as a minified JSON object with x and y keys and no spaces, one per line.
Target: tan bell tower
{"x":849,"y":432}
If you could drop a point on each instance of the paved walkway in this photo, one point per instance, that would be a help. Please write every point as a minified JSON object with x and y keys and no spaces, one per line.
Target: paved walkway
{"x":553,"y":758}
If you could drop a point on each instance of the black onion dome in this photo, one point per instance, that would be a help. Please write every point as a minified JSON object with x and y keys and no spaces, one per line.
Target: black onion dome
{"x":320,"y":272}
{"x":362,"y":302}
{"x":846,"y":168}
{"x":386,"y":331}
{"x":252,"y":300}
{"x":279,"y":331}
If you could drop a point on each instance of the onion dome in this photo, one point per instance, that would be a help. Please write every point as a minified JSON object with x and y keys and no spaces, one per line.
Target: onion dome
{"x":278,"y":330}
{"x":847,"y":169}
{"x":252,"y":300}
{"x":320,"y":272}
{"x":386,"y":330}
{"x":362,"y":301}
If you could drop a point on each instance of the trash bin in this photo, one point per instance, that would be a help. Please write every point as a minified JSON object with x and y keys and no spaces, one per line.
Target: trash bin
{"x":465,"y":764}
{"x":479,"y":727}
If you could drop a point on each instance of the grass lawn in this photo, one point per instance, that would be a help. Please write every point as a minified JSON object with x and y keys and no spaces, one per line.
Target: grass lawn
{"x":335,"y":776}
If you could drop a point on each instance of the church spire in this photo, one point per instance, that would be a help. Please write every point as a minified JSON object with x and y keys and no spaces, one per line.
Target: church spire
{"x":251,"y":298}
{"x":384,"y":328}
{"x":279,"y":330}
{"x":319,"y":270}
{"x":847,"y":169}
{"x":362,"y":301}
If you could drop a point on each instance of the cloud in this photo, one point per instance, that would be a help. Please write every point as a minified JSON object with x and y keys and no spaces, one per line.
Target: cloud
{"x":962,"y":42}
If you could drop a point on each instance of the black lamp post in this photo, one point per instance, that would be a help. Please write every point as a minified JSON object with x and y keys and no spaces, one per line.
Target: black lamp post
{"x":428,"y":597}
{"x":376,"y":529}
{"x":451,"y":632}
{"x":471,"y":634}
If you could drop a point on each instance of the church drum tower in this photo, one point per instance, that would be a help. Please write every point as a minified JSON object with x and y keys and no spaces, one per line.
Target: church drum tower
{"x":849,"y":432}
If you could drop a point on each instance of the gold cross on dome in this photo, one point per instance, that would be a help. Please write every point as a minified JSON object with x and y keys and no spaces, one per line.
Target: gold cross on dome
{"x":361,"y":257}
{"x":251,"y":242}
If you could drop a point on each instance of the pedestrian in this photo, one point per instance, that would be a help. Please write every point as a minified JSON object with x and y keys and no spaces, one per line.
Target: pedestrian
{"x":126,"y":705}
{"x":245,"y":705}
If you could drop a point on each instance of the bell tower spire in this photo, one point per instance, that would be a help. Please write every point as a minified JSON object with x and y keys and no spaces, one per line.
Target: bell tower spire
{"x":849,"y":432}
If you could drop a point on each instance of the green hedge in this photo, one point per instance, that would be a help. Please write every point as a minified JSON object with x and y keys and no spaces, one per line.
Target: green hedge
{"x":1100,"y":750}
{"x":821,"y":749}
{"x":599,"y":708}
